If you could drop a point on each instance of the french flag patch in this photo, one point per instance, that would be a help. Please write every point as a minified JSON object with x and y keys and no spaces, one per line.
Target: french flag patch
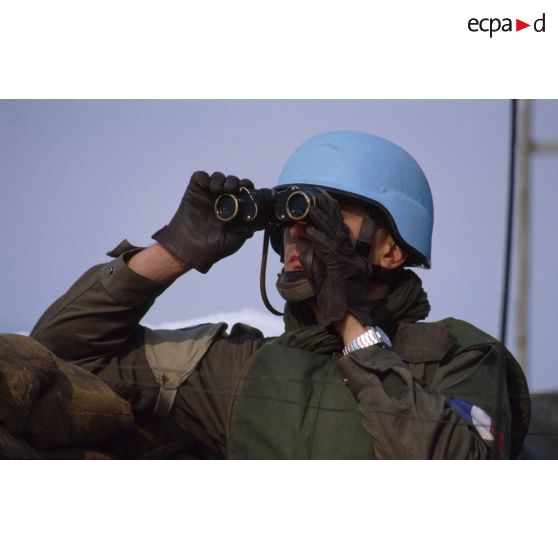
{"x":475,"y":416}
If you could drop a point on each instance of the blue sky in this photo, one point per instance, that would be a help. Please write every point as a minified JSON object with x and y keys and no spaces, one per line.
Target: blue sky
{"x":78,"y":176}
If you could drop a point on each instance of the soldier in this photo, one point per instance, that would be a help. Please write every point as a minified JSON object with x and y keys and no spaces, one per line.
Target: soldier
{"x":356,"y":374}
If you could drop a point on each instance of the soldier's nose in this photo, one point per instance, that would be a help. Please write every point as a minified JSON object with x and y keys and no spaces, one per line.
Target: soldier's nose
{"x":296,"y":231}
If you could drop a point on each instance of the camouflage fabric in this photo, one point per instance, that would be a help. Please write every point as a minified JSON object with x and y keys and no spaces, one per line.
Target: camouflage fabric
{"x":52,"y":403}
{"x":15,"y":448}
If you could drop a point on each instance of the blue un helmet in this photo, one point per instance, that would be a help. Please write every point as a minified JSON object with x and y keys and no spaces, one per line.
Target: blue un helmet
{"x":372,"y":171}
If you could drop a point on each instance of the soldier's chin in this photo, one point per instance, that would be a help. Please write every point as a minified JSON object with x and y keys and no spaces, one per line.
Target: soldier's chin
{"x":294,"y":286}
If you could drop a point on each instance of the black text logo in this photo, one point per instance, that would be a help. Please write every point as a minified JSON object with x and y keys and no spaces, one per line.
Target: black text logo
{"x":493,"y":25}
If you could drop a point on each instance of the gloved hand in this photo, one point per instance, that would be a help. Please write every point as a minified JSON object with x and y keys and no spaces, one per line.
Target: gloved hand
{"x":340,"y":282}
{"x":195,"y":235}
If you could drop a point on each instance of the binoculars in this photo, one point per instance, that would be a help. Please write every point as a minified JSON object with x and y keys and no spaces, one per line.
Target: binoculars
{"x":266,"y":205}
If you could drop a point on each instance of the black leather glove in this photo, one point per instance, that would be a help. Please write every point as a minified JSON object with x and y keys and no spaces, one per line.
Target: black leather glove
{"x":195,"y":235}
{"x":339,"y":280}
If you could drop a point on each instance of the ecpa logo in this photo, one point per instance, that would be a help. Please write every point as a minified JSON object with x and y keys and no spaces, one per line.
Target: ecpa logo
{"x":494,"y":24}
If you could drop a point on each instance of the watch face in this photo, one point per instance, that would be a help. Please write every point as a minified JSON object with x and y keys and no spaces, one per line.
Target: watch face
{"x":383,"y":337}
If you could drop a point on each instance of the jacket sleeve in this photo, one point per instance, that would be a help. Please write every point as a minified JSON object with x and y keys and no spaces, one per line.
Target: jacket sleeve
{"x":406,"y":421}
{"x":95,"y":324}
{"x":100,"y":312}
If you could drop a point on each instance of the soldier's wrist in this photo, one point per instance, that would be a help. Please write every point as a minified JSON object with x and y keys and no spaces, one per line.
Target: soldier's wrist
{"x":158,"y":264}
{"x":350,"y":327}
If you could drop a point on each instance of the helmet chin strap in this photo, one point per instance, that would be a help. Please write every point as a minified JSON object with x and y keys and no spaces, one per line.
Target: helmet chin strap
{"x":379,"y":274}
{"x":363,"y":245}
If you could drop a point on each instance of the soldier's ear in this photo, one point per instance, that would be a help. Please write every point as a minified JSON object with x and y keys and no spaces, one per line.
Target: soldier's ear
{"x":396,"y":257}
{"x":387,"y":253}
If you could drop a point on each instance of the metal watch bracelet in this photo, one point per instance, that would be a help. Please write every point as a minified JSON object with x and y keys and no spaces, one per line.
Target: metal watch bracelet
{"x":373,"y":336}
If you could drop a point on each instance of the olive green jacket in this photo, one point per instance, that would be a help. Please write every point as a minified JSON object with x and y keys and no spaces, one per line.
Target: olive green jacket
{"x":241,"y":395}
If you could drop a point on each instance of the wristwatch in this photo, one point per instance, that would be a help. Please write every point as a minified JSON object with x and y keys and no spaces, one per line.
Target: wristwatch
{"x":373,"y":336}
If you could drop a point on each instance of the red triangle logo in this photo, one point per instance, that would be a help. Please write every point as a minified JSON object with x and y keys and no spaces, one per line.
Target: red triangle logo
{"x":519,"y":25}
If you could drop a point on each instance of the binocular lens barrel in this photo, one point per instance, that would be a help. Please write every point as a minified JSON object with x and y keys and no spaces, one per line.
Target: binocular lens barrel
{"x":226,"y":207}
{"x":241,"y":206}
{"x":298,"y":205}
{"x":291,"y":204}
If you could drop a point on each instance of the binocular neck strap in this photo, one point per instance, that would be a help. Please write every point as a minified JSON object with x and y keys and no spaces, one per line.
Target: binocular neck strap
{"x":263,"y":268}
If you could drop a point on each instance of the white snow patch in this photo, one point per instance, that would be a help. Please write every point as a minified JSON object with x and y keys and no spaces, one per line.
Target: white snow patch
{"x":268,"y":324}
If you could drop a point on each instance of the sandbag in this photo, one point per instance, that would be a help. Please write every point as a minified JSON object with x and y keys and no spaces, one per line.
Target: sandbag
{"x":26,"y":369}
{"x":14,"y":448}
{"x":52,"y":403}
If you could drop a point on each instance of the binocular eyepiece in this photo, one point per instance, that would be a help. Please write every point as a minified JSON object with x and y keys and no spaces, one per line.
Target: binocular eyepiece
{"x":283,"y":206}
